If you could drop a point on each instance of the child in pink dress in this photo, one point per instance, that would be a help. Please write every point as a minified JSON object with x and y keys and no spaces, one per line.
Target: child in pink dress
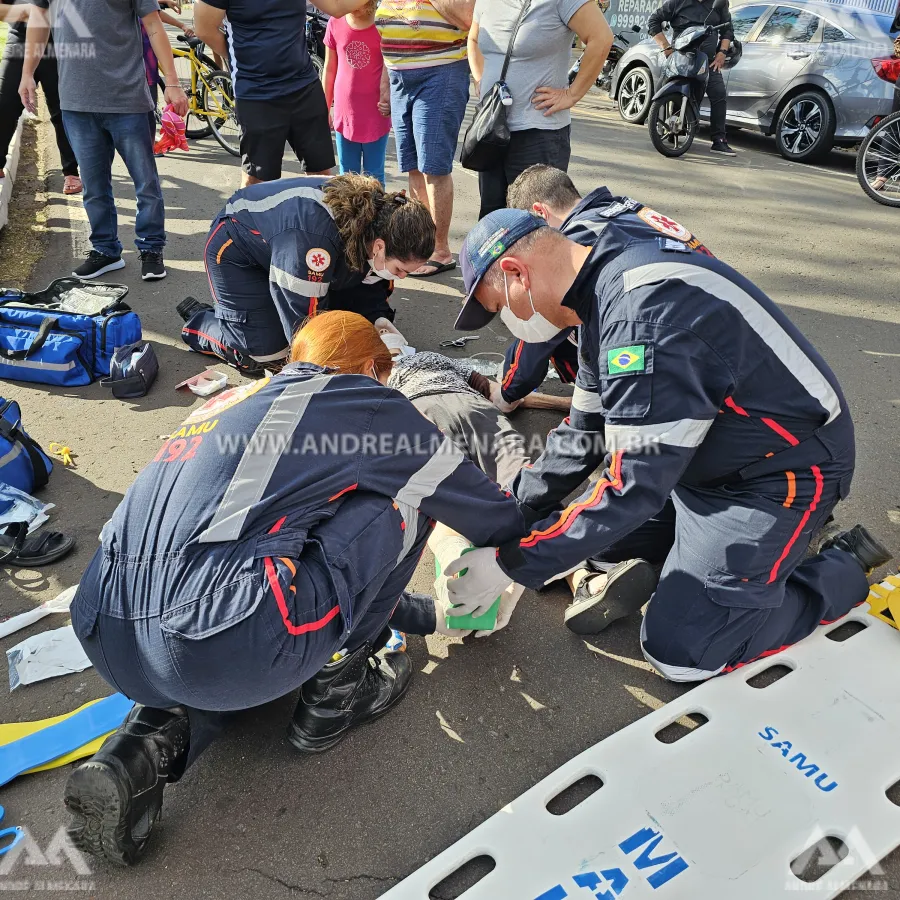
{"x":357,"y":91}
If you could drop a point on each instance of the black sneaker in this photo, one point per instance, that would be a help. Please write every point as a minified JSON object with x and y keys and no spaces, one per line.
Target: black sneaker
{"x":352,"y":691}
{"x":116,"y":796}
{"x":629,"y":585}
{"x":189,"y":307}
{"x":860,"y":544}
{"x":722,"y":148}
{"x":96,"y":264}
{"x":152,"y":266}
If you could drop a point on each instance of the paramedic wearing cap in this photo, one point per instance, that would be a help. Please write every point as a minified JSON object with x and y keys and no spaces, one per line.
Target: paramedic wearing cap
{"x":279,"y":250}
{"x":551,"y":194}
{"x":710,"y":396}
{"x":320,"y":487}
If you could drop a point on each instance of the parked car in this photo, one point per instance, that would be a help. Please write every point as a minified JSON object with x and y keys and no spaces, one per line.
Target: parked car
{"x":809,"y":75}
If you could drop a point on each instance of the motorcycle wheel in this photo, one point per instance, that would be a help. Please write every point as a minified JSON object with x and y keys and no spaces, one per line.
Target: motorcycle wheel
{"x":665,"y":139}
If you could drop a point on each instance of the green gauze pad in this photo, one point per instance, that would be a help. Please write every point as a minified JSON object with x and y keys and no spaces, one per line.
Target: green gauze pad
{"x":485,"y":622}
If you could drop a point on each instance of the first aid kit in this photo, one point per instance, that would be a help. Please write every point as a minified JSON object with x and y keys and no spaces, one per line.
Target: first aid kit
{"x":66,"y":334}
{"x":22,"y":462}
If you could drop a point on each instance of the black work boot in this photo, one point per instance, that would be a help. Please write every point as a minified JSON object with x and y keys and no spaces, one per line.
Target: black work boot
{"x":116,"y":796}
{"x":629,"y":585}
{"x":189,"y":307}
{"x":356,"y":689}
{"x":860,"y":544}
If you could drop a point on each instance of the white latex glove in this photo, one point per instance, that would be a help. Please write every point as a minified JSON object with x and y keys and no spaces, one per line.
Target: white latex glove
{"x":499,"y":402}
{"x":508,"y":601}
{"x":475,"y":592}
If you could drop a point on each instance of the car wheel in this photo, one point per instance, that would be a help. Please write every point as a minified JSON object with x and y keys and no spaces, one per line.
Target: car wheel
{"x":805,"y":131}
{"x":635,"y":94}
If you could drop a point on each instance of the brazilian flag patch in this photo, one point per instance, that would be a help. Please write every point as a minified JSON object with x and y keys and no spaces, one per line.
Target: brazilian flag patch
{"x":626,"y":360}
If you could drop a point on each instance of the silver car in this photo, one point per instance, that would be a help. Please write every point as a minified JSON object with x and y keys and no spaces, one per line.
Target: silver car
{"x":807,"y":76}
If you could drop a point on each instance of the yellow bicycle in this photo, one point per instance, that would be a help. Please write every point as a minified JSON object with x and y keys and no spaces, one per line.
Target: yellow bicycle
{"x":211,"y":107}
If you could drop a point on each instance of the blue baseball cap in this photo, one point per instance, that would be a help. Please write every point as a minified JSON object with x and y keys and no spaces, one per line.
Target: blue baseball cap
{"x":484,"y":245}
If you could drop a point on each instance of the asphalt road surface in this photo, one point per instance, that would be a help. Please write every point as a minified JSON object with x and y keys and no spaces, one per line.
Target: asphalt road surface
{"x":253,"y":819}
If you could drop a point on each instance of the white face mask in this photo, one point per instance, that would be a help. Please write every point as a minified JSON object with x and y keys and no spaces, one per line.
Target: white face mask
{"x":535,"y":330}
{"x":381,"y":273}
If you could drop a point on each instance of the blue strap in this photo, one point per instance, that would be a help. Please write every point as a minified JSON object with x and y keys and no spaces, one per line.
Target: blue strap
{"x":64,"y":737}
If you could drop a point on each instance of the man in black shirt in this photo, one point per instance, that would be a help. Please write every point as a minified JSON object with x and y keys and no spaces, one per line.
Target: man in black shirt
{"x":684,"y":14}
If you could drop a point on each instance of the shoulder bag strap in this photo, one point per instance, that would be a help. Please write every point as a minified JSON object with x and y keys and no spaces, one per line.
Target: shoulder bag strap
{"x":47,"y":325}
{"x":525,"y":7}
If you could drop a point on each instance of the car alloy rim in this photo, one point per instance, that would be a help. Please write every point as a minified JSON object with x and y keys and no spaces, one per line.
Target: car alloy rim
{"x":801,"y":126}
{"x":634,"y":93}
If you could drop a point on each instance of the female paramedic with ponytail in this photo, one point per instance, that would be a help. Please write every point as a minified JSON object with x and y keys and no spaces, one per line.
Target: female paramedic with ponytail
{"x":278,"y":248}
{"x":266,"y":546}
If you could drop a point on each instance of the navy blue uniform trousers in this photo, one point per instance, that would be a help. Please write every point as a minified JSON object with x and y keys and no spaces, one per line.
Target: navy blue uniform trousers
{"x":238,"y":645}
{"x":736,"y":584}
{"x":244,"y":328}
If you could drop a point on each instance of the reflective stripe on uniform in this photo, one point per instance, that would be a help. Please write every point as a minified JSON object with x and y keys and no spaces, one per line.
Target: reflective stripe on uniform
{"x":410,"y":530}
{"x":675,"y":673}
{"x":272,"y":357}
{"x":586,"y":401}
{"x":683,"y":433}
{"x":264,"y":204}
{"x":425,"y":482}
{"x":772,"y":334}
{"x":264,"y":449}
{"x":297,"y":285}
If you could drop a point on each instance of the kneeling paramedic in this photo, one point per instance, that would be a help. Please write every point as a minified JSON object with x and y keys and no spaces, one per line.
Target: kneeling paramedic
{"x":711,"y":397}
{"x":551,"y":194}
{"x":282,"y":250}
{"x":319,"y":493}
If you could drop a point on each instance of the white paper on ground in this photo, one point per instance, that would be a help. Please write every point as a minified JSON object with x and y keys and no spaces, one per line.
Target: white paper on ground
{"x":59,"y":604}
{"x":46,"y":655}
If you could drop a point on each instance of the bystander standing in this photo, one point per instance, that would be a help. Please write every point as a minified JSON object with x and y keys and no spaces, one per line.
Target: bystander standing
{"x":105,"y":100}
{"x":16,"y":16}
{"x":539,"y":118}
{"x":424,"y":47}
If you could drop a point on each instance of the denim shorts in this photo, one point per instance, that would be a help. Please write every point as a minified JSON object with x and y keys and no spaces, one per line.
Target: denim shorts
{"x":427,"y":109}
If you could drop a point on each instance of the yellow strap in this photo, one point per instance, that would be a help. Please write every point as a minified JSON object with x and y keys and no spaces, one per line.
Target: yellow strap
{"x":884,"y":600}
{"x":15,"y":730}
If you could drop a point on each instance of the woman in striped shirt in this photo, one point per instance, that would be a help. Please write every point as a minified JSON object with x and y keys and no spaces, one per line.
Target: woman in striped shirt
{"x":424,"y":48}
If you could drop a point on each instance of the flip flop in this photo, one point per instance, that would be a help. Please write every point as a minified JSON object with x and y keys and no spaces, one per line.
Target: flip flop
{"x":440,"y":267}
{"x":28,"y":551}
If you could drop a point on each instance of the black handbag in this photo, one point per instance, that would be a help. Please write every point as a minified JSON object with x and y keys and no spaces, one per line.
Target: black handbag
{"x":487,"y":138}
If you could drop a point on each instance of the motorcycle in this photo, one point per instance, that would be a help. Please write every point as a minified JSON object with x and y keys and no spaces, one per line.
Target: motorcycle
{"x":316,"y":23}
{"x":616,"y":52}
{"x":675,"y":108}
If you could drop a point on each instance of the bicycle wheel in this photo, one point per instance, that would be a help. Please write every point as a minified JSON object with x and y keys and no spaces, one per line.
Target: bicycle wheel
{"x":218,"y":104}
{"x":878,"y":162}
{"x":196,"y":127}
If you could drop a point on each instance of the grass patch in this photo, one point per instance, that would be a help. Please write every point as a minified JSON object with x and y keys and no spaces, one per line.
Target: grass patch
{"x":23,"y":240}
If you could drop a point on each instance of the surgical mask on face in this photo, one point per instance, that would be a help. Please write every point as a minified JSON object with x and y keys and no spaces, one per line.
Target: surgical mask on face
{"x":535,"y":330}
{"x":386,"y":274}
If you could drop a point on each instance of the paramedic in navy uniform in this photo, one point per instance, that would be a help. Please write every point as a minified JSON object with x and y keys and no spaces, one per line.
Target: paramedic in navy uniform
{"x":709,"y":397}
{"x":265,"y":547}
{"x":282,"y":250}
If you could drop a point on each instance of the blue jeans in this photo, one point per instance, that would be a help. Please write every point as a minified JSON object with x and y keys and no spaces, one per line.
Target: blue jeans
{"x":427,"y":110}
{"x":95,"y":138}
{"x":367,"y":159}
